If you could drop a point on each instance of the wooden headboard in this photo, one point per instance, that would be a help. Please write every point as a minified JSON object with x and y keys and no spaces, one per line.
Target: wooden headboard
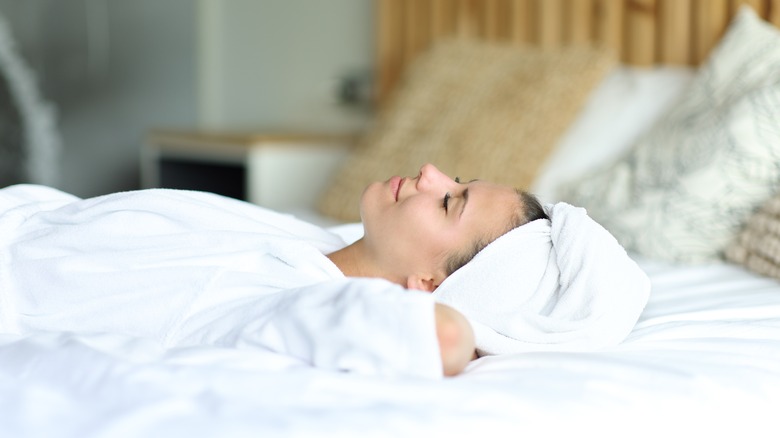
{"x":642,"y":32}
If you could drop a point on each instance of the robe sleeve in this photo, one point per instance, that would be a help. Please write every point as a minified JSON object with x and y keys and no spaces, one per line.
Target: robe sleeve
{"x":367,"y":326}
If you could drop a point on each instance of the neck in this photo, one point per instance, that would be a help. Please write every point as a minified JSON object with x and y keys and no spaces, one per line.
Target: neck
{"x":355,"y":261}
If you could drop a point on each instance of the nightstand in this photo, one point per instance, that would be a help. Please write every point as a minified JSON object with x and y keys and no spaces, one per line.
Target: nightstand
{"x":284,"y":172}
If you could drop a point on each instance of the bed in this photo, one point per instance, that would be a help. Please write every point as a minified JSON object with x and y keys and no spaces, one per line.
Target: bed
{"x":702,"y":360}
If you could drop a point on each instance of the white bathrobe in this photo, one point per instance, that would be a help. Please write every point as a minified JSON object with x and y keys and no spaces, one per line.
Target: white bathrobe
{"x":190,"y":268}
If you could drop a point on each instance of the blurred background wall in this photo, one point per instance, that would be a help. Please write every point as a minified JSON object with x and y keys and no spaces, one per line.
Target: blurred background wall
{"x":116,"y":69}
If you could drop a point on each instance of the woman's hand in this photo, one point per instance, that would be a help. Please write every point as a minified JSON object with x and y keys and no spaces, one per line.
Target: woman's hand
{"x":456,"y":339}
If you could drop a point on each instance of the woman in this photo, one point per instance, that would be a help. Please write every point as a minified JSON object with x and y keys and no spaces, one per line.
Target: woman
{"x":420,"y":230}
{"x":189,"y":268}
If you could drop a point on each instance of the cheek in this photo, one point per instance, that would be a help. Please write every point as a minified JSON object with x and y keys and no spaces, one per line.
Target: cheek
{"x":428,"y":231}
{"x":414,"y":226}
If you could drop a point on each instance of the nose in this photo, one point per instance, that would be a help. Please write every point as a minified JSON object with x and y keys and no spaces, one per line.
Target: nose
{"x":431,"y":177}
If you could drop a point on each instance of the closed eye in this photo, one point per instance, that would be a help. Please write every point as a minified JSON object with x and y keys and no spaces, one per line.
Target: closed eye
{"x":447,"y":197}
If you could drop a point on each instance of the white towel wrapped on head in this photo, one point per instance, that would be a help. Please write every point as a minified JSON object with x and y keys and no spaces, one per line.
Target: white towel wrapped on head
{"x":563,"y":284}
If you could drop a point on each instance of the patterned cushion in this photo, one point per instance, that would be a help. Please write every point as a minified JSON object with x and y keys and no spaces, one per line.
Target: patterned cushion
{"x":758,"y":245}
{"x":684,"y":190}
{"x":475,"y":110}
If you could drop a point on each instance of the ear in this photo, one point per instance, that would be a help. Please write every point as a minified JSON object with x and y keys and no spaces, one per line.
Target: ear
{"x":424,"y":283}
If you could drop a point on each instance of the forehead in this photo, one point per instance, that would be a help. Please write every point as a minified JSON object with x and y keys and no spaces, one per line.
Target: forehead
{"x":490,"y":207}
{"x":491,"y":192}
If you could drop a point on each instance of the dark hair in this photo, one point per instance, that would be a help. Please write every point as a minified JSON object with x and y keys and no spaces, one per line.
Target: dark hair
{"x":529,"y":209}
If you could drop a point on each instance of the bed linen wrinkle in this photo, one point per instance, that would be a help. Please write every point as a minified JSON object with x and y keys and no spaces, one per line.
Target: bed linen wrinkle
{"x":16,"y":206}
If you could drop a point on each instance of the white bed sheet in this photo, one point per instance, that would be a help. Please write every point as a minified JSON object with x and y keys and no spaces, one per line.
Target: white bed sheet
{"x":704,"y":358}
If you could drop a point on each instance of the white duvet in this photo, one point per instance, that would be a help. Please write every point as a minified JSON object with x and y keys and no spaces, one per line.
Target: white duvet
{"x":189,"y":269}
{"x":704,"y":360}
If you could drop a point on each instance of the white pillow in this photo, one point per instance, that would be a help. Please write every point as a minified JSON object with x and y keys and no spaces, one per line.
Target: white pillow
{"x":626,"y":104}
{"x":686,"y":187}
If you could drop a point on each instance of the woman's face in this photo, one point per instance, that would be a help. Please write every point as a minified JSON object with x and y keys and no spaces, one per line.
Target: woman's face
{"x":413,"y":224}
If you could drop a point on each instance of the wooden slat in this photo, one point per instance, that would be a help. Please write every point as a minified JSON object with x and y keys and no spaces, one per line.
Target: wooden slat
{"x":468,"y":23}
{"x":389,"y":46}
{"x":496,"y":19}
{"x":640,"y":32}
{"x":674,"y":32}
{"x":491,"y":19}
{"x":608,"y":24}
{"x":773,"y":14}
{"x":520,"y":22}
{"x":417,"y":32}
{"x":506,"y":16}
{"x":442,"y":18}
{"x":580,"y":17}
{"x":550,"y":32}
{"x":757,"y":5}
{"x":710,"y":20}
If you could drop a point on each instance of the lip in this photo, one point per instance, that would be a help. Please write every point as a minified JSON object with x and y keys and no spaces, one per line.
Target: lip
{"x":395,"y":186}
